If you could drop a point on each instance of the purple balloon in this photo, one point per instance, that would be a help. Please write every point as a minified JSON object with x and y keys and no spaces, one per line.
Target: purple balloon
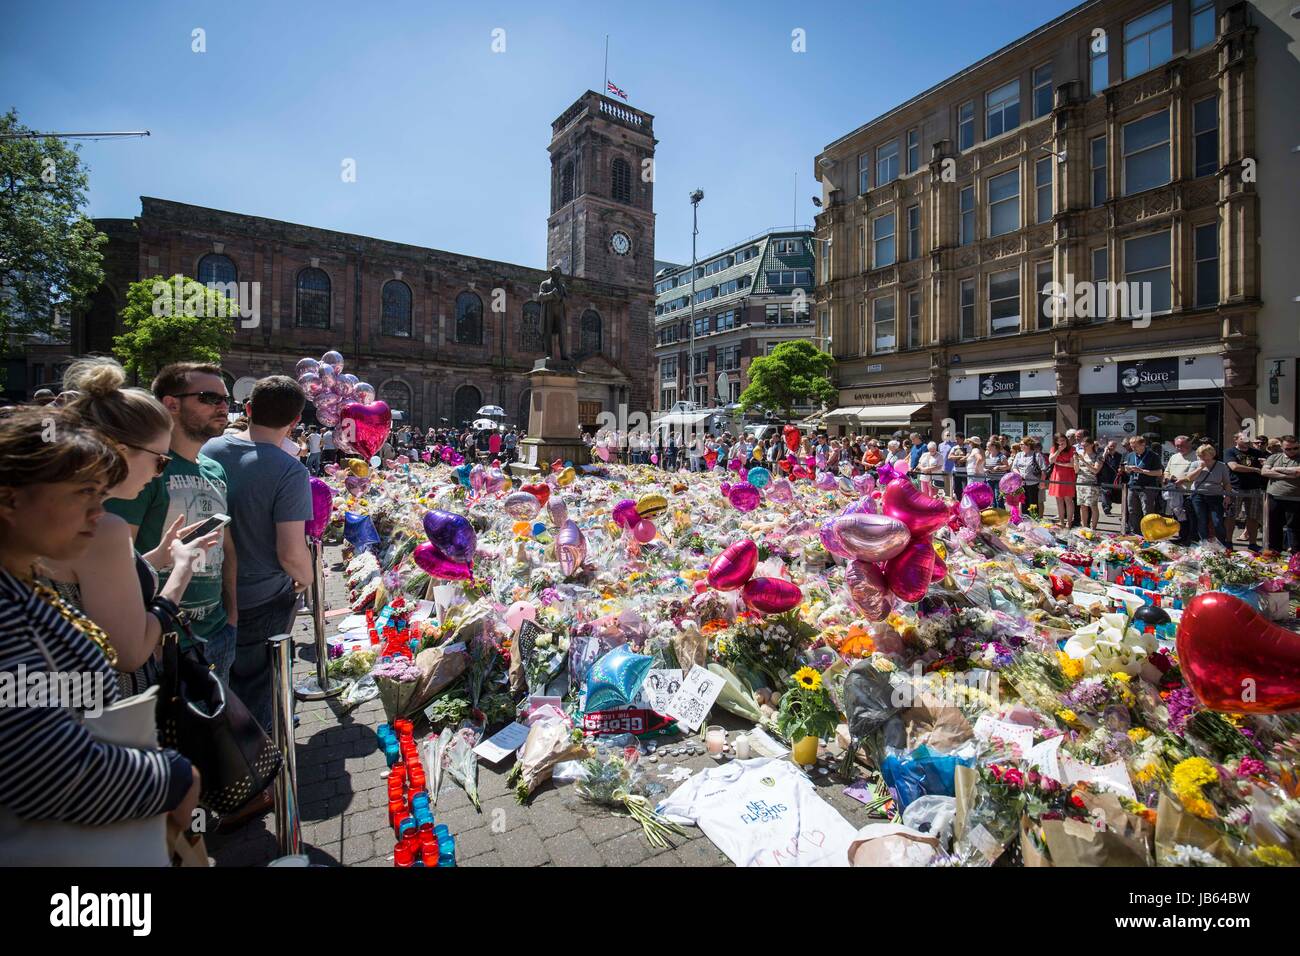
{"x":831,"y":540}
{"x":310,"y":383}
{"x":328,"y":378}
{"x":322,"y":496}
{"x":356,"y":486}
{"x":306,"y":365}
{"x":625,"y":514}
{"x":334,"y":360}
{"x":781,"y":490}
{"x":346,"y":385}
{"x":744,"y":496}
{"x":1011,"y":482}
{"x":559,"y":511}
{"x":363,"y":392}
{"x":572,"y":547}
{"x":452,"y":534}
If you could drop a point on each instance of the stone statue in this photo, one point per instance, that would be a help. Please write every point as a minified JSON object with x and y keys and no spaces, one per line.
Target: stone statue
{"x":552,"y":294}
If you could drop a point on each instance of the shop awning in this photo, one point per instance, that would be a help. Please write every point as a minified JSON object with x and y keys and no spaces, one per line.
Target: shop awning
{"x":842,"y":414}
{"x":682,"y":418}
{"x":888,"y":414}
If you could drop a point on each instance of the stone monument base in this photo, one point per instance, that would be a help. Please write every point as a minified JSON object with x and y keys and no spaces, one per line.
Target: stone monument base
{"x":553,"y":433}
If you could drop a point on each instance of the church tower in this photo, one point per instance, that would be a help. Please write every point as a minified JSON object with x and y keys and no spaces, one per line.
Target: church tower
{"x":602,"y":223}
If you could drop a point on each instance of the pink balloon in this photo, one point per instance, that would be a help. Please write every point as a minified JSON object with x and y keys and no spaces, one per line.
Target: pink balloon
{"x":331,"y":469}
{"x":737,"y":466}
{"x":356,"y":486}
{"x":867,"y":589}
{"x":870,"y":537}
{"x":438,"y":565}
{"x":826,"y":482}
{"x":333,"y":360}
{"x":572,"y":547}
{"x":322,"y":497}
{"x":654,"y":459}
{"x":496,"y":481}
{"x":979,"y":493}
{"x":1017,"y":515}
{"x":310,"y":383}
{"x":603,"y":452}
{"x":830,"y":539}
{"x":863,"y":484}
{"x":559,"y":512}
{"x":306,"y":365}
{"x":519,"y":612}
{"x":845,"y":484}
{"x":919,"y":511}
{"x":478,"y":478}
{"x":1011,"y":482}
{"x":909,"y":573}
{"x":645,"y":531}
{"x":863,"y":506}
{"x":403,"y":459}
{"x":771,"y":595}
{"x":734,"y":566}
{"x":781,"y":490}
{"x":744,"y":496}
{"x":940,"y":569}
{"x":625,"y":514}
{"x":369,"y":425}
{"x":968,"y":512}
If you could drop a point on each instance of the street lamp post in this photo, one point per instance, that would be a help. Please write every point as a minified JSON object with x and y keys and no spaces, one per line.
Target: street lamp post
{"x":696,"y":197}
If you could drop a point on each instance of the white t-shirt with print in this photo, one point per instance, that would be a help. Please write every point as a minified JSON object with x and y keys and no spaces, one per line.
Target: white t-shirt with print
{"x":763,"y":812}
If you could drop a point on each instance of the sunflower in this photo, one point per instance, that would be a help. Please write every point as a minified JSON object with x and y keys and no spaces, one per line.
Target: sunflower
{"x":807,"y":678}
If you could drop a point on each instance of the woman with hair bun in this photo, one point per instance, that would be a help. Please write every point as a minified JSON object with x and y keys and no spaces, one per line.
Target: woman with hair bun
{"x":115,"y":586}
{"x":68,"y":796}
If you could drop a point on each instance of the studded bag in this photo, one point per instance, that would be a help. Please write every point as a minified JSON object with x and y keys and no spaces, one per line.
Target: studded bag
{"x":201,"y":717}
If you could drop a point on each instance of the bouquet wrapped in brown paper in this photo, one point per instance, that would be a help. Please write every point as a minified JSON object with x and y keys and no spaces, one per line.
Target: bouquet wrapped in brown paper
{"x":550,"y":741}
{"x":438,"y":667}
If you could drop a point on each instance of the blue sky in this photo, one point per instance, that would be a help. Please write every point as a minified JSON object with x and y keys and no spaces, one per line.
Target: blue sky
{"x":450,"y":138}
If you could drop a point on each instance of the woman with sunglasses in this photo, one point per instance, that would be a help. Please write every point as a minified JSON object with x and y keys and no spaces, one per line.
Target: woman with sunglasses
{"x":110,"y":582}
{"x":56,"y":769}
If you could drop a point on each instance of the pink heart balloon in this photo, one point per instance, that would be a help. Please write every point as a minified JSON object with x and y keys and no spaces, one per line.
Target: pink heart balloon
{"x":771,"y":595}
{"x":331,"y":469}
{"x":979,"y":493}
{"x":919,"y":511}
{"x":940,"y":569}
{"x":863,"y":484}
{"x":625,"y":514}
{"x":863,"y":506}
{"x":438,"y":565}
{"x":571,"y":545}
{"x":868,"y":589}
{"x":645,"y":531}
{"x":909,"y":574}
{"x":725,"y":488}
{"x":1011,"y":482}
{"x":356,"y":486}
{"x":826,"y":482}
{"x":781,"y":491}
{"x":969,"y":512}
{"x":603,"y":452}
{"x":744,"y":496}
{"x":871,"y":537}
{"x":734,"y":566}
{"x":369,"y":428}
{"x":830,"y":540}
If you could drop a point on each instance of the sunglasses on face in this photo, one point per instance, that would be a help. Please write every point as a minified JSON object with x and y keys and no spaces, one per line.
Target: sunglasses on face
{"x":160,"y":465}
{"x":207,"y":398}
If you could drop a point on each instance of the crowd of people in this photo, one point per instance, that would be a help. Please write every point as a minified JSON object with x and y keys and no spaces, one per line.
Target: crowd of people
{"x":1074,"y":479}
{"x":102,"y":491}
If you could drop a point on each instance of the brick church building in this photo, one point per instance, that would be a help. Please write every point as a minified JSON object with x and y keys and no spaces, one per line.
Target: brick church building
{"x":438,"y":334}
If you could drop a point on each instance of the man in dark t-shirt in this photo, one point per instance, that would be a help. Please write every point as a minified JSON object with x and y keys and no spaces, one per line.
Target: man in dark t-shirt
{"x":1244,"y":463}
{"x":1143,"y":470}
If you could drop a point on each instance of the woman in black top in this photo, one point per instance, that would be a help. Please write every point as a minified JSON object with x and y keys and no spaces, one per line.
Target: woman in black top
{"x":52,"y":768}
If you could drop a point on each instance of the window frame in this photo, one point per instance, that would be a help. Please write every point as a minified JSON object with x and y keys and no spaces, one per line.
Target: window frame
{"x":1198,"y":141}
{"x":877,"y":322}
{"x":1103,"y":168}
{"x":327,"y":292}
{"x":965,"y":308}
{"x":966,"y":126}
{"x":913,"y":319}
{"x":1045,"y":319}
{"x":864,"y":172}
{"x":1198,"y":8}
{"x":1001,"y":108}
{"x":1020,"y":319}
{"x":1098,"y":61}
{"x":913,"y":139}
{"x":1046,"y":162}
{"x":384,"y":317}
{"x":894,"y":159}
{"x":1198,"y":301}
{"x":1036,"y":85}
{"x":1167,"y":267}
{"x":877,"y":239}
{"x":992,"y":203}
{"x":1126,"y":155}
{"x":914,"y":232}
{"x":1146,"y":36}
{"x":1101,"y":298}
{"x":966,"y":216}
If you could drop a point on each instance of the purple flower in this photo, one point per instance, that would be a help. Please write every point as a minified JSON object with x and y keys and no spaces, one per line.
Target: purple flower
{"x":1250,"y":767}
{"x":1181,"y":704}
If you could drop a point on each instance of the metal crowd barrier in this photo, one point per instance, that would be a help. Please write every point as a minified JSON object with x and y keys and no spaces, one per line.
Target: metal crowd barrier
{"x":318,"y":687}
{"x":288,"y":826}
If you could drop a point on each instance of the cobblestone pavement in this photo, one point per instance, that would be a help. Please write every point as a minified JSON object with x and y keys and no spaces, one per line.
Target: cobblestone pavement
{"x":345,"y":810}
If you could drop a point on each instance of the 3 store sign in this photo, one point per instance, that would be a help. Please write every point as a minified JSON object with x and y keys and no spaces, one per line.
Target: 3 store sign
{"x":1149,"y":375}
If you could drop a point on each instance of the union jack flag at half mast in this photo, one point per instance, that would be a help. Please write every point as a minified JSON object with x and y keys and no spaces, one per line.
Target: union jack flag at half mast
{"x":611,"y":88}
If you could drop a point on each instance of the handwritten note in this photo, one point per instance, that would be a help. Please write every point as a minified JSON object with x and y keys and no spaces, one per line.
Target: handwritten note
{"x":1017,"y":735}
{"x":692,"y":702}
{"x":503,"y":743}
{"x":661,"y":685}
{"x":1043,"y":757}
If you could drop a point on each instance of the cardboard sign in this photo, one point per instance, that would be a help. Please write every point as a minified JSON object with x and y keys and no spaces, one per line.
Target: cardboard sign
{"x":692,"y":702}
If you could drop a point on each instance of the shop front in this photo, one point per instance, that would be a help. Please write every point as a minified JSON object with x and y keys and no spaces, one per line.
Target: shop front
{"x":881,"y":410}
{"x":1012,"y":402}
{"x":1159,"y":396}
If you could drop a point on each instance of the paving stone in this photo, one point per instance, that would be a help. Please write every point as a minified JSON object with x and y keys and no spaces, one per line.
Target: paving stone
{"x":552,"y":819}
{"x":357,"y":848}
{"x":571,"y":849}
{"x":626,"y":850}
{"x":505,"y":814}
{"x":606,"y":826}
{"x":365,"y":821}
{"x":462,"y":819}
{"x":523,"y":848}
{"x":472,"y":843}
{"x":485,"y":859}
{"x":700,"y":853}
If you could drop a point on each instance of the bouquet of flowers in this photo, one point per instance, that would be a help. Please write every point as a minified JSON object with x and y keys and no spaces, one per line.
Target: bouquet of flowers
{"x":457,"y":759}
{"x":1230,"y":570}
{"x":764,"y":648}
{"x":611,"y":779}
{"x":993,"y":819}
{"x":545,"y":662}
{"x":398,"y":681}
{"x":806,"y":709}
{"x":550,"y":741}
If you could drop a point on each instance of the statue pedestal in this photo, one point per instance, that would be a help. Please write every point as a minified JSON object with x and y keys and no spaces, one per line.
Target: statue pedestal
{"x":553,"y":433}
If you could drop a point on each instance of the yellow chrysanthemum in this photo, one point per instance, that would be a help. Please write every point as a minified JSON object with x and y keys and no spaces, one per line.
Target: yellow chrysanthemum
{"x":1274,"y":856}
{"x":1070,"y":667}
{"x":1138,"y":734}
{"x":1121,"y":677}
{"x":807,"y":678}
{"x":1192,"y":774}
{"x":1067,"y":715}
{"x":1200,"y":807}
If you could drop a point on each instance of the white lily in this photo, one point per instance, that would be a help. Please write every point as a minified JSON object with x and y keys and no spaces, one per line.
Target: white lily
{"x":1106,"y":646}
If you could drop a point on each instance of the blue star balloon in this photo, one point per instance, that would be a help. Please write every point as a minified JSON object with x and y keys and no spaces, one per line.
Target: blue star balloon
{"x":614,"y":679}
{"x":359,"y":531}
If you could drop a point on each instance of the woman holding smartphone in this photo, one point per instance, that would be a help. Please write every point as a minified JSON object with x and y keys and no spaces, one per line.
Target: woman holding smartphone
{"x":109,"y":581}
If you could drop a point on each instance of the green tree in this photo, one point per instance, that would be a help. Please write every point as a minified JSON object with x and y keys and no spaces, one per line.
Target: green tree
{"x":49,"y":250}
{"x":173,"y":320}
{"x":796,"y":371}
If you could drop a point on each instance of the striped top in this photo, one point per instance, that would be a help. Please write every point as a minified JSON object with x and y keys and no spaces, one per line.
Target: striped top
{"x":51,"y":767}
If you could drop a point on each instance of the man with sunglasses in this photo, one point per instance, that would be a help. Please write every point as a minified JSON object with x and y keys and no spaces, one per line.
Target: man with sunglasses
{"x":194,"y":485}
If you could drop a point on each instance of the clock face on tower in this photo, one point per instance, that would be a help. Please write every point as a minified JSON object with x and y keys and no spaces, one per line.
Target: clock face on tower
{"x":620,"y":243}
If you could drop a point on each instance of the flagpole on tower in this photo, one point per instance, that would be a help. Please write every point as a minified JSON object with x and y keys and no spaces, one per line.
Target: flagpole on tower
{"x":604,"y":90}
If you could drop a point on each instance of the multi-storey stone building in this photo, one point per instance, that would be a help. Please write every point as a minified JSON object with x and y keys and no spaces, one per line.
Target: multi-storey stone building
{"x":749,"y":298}
{"x":1116,"y":143}
{"x":438,"y":334}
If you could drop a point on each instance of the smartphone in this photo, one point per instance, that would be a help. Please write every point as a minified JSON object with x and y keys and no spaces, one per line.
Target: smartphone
{"x":207,"y":527}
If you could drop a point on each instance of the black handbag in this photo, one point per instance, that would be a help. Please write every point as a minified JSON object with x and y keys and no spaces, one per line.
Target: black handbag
{"x":202,"y":718}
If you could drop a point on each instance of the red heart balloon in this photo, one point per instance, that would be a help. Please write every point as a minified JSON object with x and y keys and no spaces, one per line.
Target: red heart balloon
{"x":734,"y":566}
{"x":1235,"y":659}
{"x":920,"y":512}
{"x":866,"y":585}
{"x":909,"y":574}
{"x":364,"y":427}
{"x":541,"y":492}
